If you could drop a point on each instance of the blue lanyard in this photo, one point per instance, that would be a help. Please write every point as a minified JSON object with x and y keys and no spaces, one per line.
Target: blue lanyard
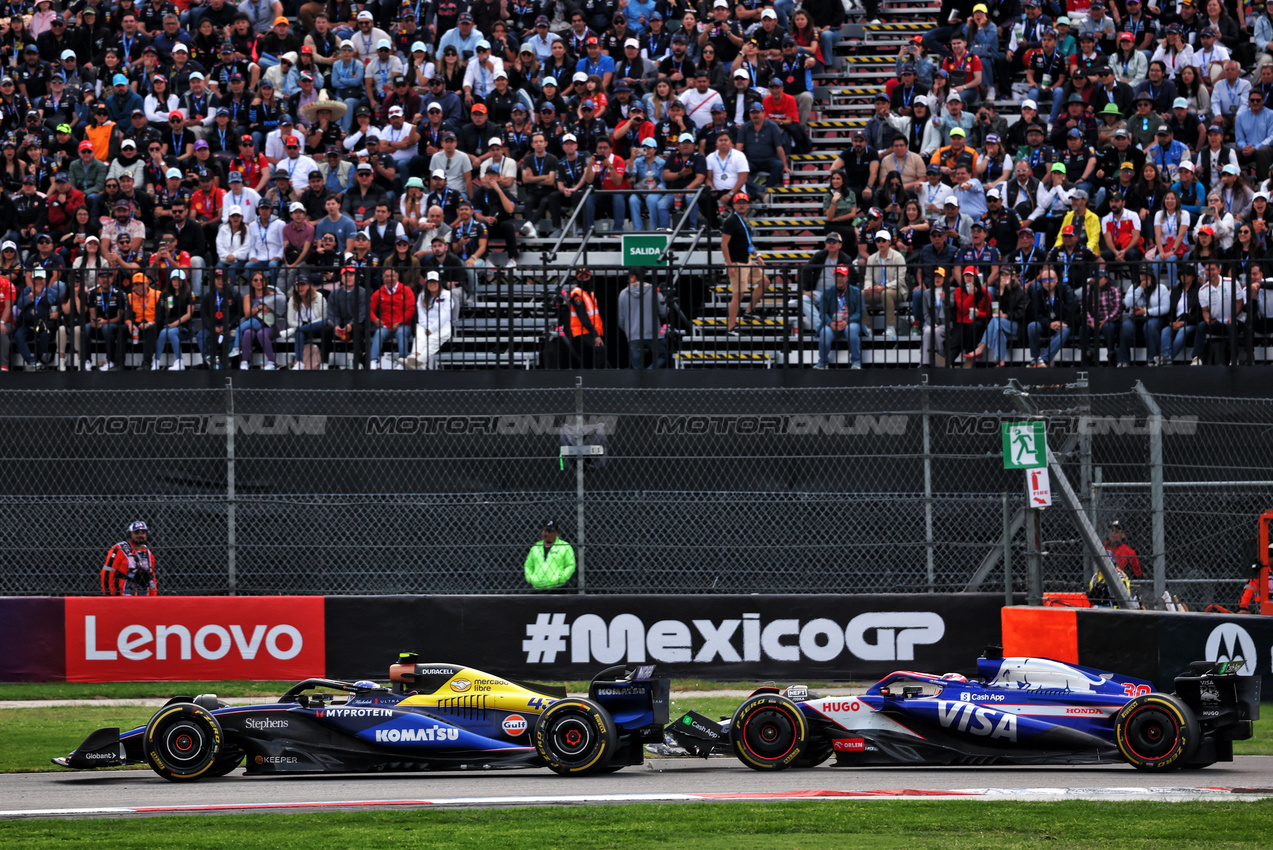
{"x":539,"y":166}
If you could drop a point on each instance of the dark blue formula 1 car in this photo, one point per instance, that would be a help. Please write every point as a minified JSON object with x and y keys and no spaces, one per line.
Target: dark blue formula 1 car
{"x":438,"y":717}
{"x":1016,"y":711}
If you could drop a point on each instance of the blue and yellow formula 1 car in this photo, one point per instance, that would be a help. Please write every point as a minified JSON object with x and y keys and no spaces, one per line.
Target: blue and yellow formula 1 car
{"x":437,"y":717}
{"x":1015,"y":711}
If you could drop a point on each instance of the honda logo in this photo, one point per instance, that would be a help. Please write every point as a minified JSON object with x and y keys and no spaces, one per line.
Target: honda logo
{"x":1228,"y":642}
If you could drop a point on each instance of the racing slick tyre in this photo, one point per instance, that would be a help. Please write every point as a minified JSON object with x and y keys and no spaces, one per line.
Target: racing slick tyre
{"x":768,"y":732}
{"x":576,"y":737}
{"x":1156,"y":732}
{"x":183,"y":742}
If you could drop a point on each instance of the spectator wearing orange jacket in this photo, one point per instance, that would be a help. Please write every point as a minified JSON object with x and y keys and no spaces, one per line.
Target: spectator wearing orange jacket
{"x":143,"y":305}
{"x":129,"y":569}
{"x":392,"y":316}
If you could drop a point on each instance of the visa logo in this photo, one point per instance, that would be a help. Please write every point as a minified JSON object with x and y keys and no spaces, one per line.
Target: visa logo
{"x":976,"y":720}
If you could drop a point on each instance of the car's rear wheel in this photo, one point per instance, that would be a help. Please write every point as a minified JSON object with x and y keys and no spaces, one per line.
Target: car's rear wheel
{"x":1156,"y":732}
{"x":576,"y":737}
{"x":768,"y":732}
{"x":183,"y":742}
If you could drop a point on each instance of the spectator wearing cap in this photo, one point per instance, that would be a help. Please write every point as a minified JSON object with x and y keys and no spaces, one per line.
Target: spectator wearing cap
{"x":1046,"y":70}
{"x":1253,"y":133}
{"x":955,"y":118}
{"x":842,"y":312}
{"x":765,"y":146}
{"x":1101,"y":319}
{"x":724,"y":35}
{"x":595,"y":62}
{"x":550,"y":563}
{"x":1186,"y":126}
{"x":933,"y":194}
{"x":1080,"y":161}
{"x":88,"y":173}
{"x":493,"y":204}
{"x":785,"y":111}
{"x":647,"y":173}
{"x":480,"y":75}
{"x":981,"y":255}
{"x":1173,"y":52}
{"x":1072,"y":260}
{"x":1213,"y":157}
{"x":861,"y":167}
{"x":1121,"y":241}
{"x":348,"y":81}
{"x":884,"y":280}
{"x":1166,"y":153}
{"x":1118,"y":95}
{"x":542,"y":40}
{"x":634,"y":70}
{"x":240,"y":195}
{"x":970,"y":311}
{"x":1193,"y":195}
{"x":298,"y":242}
{"x":380,"y":72}
{"x":1100,"y":26}
{"x":265,"y":240}
{"x":818,"y":275}
{"x":366,"y":37}
{"x":123,"y":223}
{"x":36,"y":316}
{"x":1052,"y":199}
{"x":123,"y":100}
{"x":956,"y":153}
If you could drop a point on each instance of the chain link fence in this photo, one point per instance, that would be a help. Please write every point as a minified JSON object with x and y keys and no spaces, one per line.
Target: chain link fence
{"x":886,"y":489}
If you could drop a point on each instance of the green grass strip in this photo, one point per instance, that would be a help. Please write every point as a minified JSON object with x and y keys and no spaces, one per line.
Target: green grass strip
{"x":703,"y":826}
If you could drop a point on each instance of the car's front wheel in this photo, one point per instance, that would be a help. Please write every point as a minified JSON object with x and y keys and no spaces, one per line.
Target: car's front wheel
{"x":1156,"y":732}
{"x":183,"y":742}
{"x":576,"y":737}
{"x":768,"y":732}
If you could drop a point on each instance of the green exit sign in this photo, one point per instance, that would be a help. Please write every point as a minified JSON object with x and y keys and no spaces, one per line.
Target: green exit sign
{"x":641,"y":249}
{"x":1025,"y":445}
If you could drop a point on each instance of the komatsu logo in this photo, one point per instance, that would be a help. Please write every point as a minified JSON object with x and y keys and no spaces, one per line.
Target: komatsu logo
{"x":404,"y":736}
{"x":355,"y":712}
{"x":970,"y":718}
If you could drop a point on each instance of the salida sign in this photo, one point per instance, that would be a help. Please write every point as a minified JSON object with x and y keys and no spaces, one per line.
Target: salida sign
{"x":194,"y":637}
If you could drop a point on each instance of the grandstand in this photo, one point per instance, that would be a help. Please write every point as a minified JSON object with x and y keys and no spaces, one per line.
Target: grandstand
{"x":518,"y":315}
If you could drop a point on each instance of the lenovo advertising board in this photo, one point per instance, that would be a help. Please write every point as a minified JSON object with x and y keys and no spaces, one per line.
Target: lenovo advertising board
{"x":567,"y":636}
{"x":169,"y":638}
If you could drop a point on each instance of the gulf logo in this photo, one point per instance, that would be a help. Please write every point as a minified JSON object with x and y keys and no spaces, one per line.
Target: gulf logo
{"x":460,"y":685}
{"x":515,"y":724}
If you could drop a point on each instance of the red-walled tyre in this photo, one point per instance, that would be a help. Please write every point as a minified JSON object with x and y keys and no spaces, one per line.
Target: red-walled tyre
{"x":1156,"y":732}
{"x":768,"y":732}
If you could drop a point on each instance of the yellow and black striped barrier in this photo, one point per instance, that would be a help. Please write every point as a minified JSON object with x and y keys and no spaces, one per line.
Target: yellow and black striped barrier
{"x":787,"y":222}
{"x":870,"y":60}
{"x":786,"y":255}
{"x":857,"y":90}
{"x":812,"y":157}
{"x":721,"y":355}
{"x":842,"y":123}
{"x":797,"y":190}
{"x":911,"y":27}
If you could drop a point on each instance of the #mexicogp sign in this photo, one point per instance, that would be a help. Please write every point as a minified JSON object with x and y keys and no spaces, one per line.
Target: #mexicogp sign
{"x":1025,"y":445}
{"x":643,"y":249}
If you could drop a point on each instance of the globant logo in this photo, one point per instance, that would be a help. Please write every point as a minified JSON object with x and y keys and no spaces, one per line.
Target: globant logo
{"x":875,"y":636}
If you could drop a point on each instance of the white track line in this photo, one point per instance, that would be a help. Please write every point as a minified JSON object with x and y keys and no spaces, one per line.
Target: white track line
{"x":1021,"y":794}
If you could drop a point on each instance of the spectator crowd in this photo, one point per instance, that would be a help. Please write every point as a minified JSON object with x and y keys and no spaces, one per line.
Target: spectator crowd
{"x":1126,"y":206}
{"x":306,"y":177}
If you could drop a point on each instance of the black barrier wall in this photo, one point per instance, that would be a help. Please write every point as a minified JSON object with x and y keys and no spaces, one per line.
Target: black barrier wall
{"x":726,"y":637}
